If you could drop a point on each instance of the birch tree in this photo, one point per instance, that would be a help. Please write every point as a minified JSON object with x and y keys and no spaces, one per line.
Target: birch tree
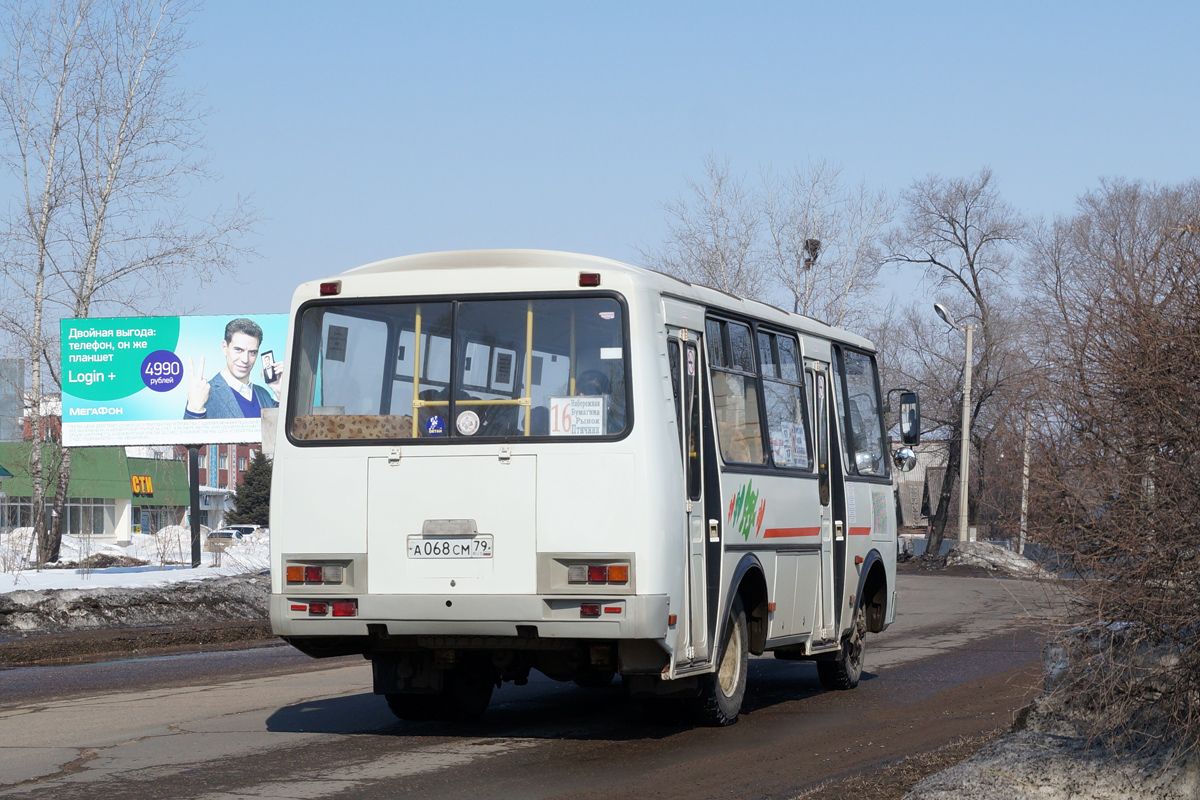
{"x":104,"y":146}
{"x":822,"y":242}
{"x":712,"y":235}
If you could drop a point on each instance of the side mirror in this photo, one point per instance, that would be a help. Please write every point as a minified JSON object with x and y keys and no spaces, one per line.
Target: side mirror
{"x":905,"y":459}
{"x":910,"y":418}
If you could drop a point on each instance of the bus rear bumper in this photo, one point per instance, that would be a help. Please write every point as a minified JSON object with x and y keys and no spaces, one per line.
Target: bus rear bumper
{"x":554,"y":617}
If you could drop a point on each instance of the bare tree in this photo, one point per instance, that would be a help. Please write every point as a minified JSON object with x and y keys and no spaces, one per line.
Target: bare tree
{"x":104,"y":146}
{"x":964,"y":238}
{"x":823,"y":242}
{"x":1116,"y":481}
{"x":713,"y":235}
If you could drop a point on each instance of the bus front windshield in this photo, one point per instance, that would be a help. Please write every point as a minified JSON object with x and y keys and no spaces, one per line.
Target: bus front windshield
{"x":461,"y":369}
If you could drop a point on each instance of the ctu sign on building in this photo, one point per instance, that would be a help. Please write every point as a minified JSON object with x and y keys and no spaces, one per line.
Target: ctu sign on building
{"x":142,"y":485}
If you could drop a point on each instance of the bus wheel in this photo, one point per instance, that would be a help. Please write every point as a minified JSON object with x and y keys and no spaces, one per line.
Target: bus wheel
{"x":844,"y":671}
{"x":722,"y":692}
{"x":413,"y":707}
{"x":466,"y":692}
{"x":595,"y":678}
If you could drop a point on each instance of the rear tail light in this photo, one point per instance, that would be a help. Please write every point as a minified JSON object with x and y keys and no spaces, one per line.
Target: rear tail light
{"x":589,"y":609}
{"x":598,"y":573}
{"x":345,"y":608}
{"x":318,"y":609}
{"x":329,"y":573}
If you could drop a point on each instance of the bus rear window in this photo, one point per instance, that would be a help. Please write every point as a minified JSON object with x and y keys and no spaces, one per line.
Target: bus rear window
{"x":466,"y":369}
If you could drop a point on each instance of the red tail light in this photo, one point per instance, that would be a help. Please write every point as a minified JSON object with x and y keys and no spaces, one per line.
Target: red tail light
{"x":597,"y":574}
{"x":318,"y":609}
{"x":345,"y":608}
{"x":313,"y":574}
{"x":589,"y":610}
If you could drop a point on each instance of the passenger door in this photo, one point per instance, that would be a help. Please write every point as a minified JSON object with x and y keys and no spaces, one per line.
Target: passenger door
{"x":684,"y":354}
{"x":831,"y":483}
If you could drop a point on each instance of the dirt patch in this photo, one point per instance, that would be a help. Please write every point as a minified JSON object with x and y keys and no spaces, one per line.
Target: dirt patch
{"x":113,"y":644}
{"x":893,"y":781}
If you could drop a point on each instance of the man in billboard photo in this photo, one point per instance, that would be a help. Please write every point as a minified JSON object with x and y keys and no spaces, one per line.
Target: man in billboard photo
{"x":231,"y":393}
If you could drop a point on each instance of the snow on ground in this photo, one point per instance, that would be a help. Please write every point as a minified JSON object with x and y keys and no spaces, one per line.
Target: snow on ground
{"x":166,"y":558}
{"x":993,"y":557}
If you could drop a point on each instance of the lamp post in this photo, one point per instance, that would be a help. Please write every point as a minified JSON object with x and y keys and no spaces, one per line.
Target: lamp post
{"x":964,"y":533}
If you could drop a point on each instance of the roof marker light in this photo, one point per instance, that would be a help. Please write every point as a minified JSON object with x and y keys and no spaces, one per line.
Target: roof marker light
{"x":331,"y":287}
{"x":589,"y":279}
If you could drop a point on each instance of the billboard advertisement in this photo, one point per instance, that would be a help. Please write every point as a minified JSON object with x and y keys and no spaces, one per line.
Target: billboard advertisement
{"x":170,"y":380}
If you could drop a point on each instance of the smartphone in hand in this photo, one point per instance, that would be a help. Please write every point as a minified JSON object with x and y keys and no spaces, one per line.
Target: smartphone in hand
{"x":268,"y":364}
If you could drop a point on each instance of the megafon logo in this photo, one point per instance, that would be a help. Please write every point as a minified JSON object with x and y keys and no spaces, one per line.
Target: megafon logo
{"x":746,"y":511}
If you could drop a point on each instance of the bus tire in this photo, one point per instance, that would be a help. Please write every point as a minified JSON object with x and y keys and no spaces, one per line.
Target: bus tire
{"x":594,"y":678}
{"x":413,"y":707}
{"x":845,"y":671}
{"x":722,"y":691}
{"x":465,"y":694}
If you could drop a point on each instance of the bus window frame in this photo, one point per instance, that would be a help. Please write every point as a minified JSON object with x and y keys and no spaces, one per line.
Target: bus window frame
{"x":768,"y":467}
{"x":844,"y":418}
{"x":453,"y":300}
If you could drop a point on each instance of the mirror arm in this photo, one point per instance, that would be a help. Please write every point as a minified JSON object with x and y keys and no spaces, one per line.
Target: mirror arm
{"x":887,"y":399}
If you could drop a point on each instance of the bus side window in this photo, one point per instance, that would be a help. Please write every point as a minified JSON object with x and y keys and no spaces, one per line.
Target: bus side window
{"x":787,"y":420}
{"x":735,"y":392}
{"x":864,"y":428}
{"x":674,"y":359}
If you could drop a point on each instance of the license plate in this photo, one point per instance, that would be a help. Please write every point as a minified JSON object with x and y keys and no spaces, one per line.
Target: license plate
{"x":450,"y":546}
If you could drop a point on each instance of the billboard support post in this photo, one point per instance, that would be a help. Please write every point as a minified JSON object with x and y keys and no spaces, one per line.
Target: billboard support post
{"x":194,"y":484}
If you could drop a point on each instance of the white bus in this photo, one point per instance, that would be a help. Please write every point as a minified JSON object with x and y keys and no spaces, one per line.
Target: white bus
{"x":489,"y":462}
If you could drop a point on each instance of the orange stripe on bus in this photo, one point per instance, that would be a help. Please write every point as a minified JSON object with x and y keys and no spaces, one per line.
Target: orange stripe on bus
{"x":775,"y":533}
{"x":860,"y":531}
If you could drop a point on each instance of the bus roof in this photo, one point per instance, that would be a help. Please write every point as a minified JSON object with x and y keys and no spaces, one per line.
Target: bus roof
{"x":666,"y":284}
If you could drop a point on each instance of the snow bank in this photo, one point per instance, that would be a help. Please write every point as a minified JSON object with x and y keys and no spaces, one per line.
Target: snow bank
{"x":986,"y":555}
{"x":221,"y":599}
{"x":154,"y":560}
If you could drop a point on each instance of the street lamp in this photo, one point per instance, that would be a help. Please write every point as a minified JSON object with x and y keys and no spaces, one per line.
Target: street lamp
{"x":964,"y":534}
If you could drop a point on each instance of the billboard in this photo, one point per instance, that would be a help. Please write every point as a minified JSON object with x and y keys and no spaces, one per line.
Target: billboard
{"x":170,"y":380}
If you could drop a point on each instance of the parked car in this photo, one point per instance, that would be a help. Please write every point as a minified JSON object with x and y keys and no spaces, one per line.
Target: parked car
{"x":233,"y":532}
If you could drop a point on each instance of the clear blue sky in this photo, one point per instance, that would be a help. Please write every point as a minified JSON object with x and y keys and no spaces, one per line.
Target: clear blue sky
{"x":374,"y":129}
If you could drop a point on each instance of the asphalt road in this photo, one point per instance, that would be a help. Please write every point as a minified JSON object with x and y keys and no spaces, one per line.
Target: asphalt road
{"x":271,"y":723}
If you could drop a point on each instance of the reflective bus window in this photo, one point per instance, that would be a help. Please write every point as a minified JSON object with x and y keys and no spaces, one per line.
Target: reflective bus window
{"x":864,"y":430}
{"x":787,"y":422}
{"x":472,"y":368}
{"x":735,"y":392}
